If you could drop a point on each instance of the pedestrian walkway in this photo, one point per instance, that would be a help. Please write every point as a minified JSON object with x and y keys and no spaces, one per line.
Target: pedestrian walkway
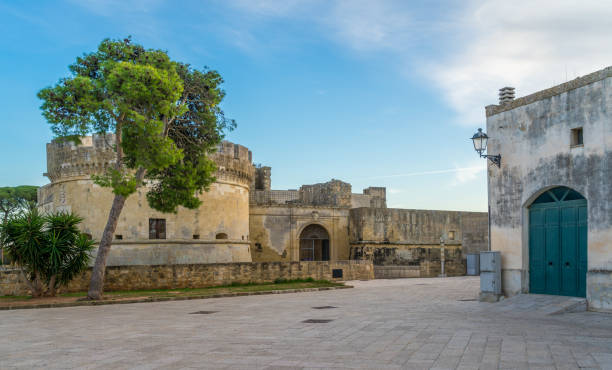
{"x":380,"y":324}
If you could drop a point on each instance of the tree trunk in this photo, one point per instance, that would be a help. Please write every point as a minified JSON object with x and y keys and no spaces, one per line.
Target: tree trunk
{"x":35,"y":289}
{"x":51,"y":290}
{"x":5,"y":218}
{"x":97,"y":274}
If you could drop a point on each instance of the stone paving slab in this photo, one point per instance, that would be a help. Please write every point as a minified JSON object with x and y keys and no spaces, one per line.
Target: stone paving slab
{"x":380,"y":324}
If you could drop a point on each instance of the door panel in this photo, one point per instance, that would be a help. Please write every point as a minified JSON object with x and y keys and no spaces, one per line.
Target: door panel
{"x":558,"y":245}
{"x":537,"y":277}
{"x":569,"y":251}
{"x":551,"y":245}
{"x":582,"y":249}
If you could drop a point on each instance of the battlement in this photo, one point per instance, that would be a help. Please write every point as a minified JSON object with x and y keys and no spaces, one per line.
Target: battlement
{"x":234,"y":163}
{"x":68,"y":160}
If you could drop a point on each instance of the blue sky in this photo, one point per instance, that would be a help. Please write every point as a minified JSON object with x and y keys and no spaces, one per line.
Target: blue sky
{"x":375,"y":93}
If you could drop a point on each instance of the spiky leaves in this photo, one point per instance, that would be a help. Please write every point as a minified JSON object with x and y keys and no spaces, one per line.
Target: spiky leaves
{"x":50,"y":249}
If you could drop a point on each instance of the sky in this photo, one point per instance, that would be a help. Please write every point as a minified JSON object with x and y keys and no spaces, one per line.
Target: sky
{"x":374,"y":93}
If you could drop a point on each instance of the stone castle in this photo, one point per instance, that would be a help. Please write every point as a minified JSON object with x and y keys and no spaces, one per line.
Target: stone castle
{"x":242,"y":219}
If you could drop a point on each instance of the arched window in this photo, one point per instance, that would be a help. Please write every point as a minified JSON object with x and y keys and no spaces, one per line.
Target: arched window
{"x":221,"y":236}
{"x":558,"y":194}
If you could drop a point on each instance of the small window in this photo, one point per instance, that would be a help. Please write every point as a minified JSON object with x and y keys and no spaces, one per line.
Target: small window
{"x":258,"y":246}
{"x":119,"y":237}
{"x":157,"y":228}
{"x":451,"y":235}
{"x":576,"y":137}
{"x":221,"y":236}
{"x":196,"y":236}
{"x":236,"y":151}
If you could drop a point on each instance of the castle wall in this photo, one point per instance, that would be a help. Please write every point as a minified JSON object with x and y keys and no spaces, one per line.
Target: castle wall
{"x":407,"y":237}
{"x":275,"y":230}
{"x":190,"y":235}
{"x":179,"y":276}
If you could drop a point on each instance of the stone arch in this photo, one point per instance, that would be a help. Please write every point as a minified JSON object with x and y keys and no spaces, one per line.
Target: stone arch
{"x":555,"y":250}
{"x":221,"y":236}
{"x":314,"y":243}
{"x":524,"y":222}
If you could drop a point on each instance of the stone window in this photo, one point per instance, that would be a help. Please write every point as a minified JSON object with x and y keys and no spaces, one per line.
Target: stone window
{"x":157,"y":228}
{"x":236,"y":151}
{"x":196,"y":236}
{"x":221,"y":236}
{"x":119,"y":237}
{"x":451,"y":235}
{"x":576,"y":137}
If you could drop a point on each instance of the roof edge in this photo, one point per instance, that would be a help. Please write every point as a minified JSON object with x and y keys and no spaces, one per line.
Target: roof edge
{"x":578,"y":82}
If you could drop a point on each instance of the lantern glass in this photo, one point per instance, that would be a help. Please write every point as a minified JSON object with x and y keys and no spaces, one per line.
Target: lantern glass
{"x":480,"y":141}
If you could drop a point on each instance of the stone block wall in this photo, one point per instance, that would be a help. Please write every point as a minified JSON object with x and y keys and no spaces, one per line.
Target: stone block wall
{"x":397,"y":259}
{"x":332,"y":193}
{"x":198,"y":276}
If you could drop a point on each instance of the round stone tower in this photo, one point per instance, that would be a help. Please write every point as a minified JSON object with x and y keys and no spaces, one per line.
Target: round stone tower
{"x":216,"y":232}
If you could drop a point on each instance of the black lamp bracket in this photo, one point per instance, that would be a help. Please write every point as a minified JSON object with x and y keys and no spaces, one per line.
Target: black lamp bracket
{"x":496,"y":159}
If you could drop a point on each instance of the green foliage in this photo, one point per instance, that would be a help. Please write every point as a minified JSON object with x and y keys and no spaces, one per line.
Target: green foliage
{"x":50,"y":249}
{"x":165,"y":115}
{"x":196,"y":133}
{"x":15,"y":199}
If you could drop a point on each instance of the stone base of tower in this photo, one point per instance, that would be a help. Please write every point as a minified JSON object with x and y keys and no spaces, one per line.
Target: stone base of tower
{"x":168,"y":252}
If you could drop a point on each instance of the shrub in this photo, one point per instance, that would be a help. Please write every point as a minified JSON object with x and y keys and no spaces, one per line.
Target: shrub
{"x":50,"y":249}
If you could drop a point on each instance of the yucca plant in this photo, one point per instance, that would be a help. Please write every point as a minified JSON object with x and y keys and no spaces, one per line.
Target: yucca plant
{"x":50,"y":249}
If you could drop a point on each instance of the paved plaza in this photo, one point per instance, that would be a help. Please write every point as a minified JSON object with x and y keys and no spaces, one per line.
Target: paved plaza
{"x":380,"y":324}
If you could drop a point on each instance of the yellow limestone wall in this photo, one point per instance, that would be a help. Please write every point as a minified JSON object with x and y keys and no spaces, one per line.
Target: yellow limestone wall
{"x":190,"y":234}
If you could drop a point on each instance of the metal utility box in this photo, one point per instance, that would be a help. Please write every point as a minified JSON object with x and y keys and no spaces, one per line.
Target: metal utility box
{"x":490,"y":273}
{"x":473,"y":264}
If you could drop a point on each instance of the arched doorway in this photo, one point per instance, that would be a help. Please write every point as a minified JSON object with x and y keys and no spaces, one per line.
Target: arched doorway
{"x":558,"y":243}
{"x":314,"y":243}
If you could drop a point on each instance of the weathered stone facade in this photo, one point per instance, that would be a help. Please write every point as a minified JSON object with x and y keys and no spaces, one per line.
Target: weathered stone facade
{"x":242,"y":219}
{"x":411,"y":237}
{"x":534,"y":136}
{"x":360,"y":227}
{"x":176,"y":276}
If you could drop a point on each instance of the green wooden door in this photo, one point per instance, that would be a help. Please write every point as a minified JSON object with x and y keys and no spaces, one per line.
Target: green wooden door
{"x":558,"y":243}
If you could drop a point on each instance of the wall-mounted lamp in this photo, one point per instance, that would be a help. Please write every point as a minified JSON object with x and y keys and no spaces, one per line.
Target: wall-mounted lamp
{"x":480,"y":145}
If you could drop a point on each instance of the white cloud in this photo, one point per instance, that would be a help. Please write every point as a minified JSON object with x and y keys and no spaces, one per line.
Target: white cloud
{"x":478,"y":46}
{"x":470,"y":173}
{"x":531,"y":45}
{"x":357,"y":24}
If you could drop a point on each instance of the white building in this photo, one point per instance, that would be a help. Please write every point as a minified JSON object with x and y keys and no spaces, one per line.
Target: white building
{"x":550,"y":208}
